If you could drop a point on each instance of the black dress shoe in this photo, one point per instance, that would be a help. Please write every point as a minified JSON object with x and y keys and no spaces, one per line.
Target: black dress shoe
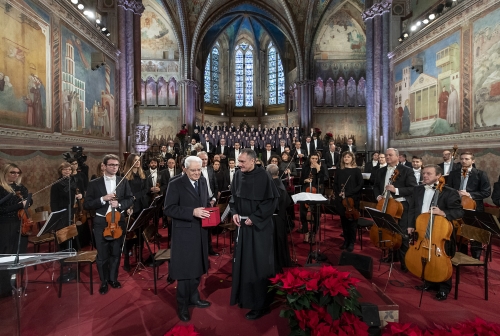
{"x":350,"y":248}
{"x":343,"y":246}
{"x":115,"y":284}
{"x":255,"y":314}
{"x":200,"y":304}
{"x":213,"y":253}
{"x":183,"y":314}
{"x":103,"y":289}
{"x":441,"y":296}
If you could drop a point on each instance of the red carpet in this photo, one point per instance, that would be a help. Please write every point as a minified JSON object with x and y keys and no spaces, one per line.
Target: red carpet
{"x":135,"y":310}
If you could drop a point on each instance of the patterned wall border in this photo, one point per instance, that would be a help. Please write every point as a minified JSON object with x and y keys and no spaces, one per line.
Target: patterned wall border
{"x":339,"y":110}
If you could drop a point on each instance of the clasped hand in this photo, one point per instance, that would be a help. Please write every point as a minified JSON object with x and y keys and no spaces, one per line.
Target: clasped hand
{"x":236,"y":220}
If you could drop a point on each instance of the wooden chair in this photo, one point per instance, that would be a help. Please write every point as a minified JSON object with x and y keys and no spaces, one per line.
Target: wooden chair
{"x":461,"y":260}
{"x":89,"y":257}
{"x":226,"y":226}
{"x":47,"y":238}
{"x":160,"y":256}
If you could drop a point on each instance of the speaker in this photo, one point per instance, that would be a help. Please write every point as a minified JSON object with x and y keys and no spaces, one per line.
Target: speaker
{"x":97,"y":60}
{"x":371,"y":317}
{"x":361,"y":263}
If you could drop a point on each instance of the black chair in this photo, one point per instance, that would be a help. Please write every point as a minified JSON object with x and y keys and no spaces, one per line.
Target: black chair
{"x":158,"y":257}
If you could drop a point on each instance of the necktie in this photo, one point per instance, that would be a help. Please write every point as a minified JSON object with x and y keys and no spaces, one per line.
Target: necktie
{"x":196,"y":187}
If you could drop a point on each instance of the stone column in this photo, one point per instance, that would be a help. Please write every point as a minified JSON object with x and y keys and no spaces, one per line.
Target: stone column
{"x":187,"y":92}
{"x":377,"y":20}
{"x":129,"y":12}
{"x":306,"y":90}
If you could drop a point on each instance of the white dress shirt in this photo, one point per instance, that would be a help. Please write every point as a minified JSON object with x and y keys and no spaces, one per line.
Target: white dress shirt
{"x":110,"y":182}
{"x":204,"y":171}
{"x":231,"y":174}
{"x":171,"y":172}
{"x":417,"y":173}
{"x":446,"y":168}
{"x":428,"y":195}
{"x":154,"y":176}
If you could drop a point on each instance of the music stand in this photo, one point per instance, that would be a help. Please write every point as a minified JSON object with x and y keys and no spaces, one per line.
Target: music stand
{"x":482,"y":220}
{"x":224,"y":197}
{"x":56,"y":221}
{"x":142,"y":220}
{"x":385,"y":221}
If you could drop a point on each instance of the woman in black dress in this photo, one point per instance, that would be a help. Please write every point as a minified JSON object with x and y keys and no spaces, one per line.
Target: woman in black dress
{"x":64,"y":193}
{"x":348,"y":183}
{"x":137,"y":181}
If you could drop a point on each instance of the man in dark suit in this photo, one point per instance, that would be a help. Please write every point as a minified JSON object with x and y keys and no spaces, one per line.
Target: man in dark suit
{"x":308,"y":146}
{"x":208,"y":145}
{"x":402,"y":160}
{"x":266,"y":154}
{"x":349,"y":147}
{"x":332,"y":158}
{"x":223,"y":151}
{"x":495,"y":195}
{"x":185,"y":203}
{"x":401,"y":190}
{"x":281,"y":148}
{"x":318,"y":144}
{"x":370,"y":165}
{"x":172,"y":169}
{"x":448,"y":206}
{"x":154,"y":176}
{"x":448,"y":165}
{"x":417,"y":163}
{"x":475,"y":185}
{"x":103,"y":195}
{"x":208,"y":172}
{"x":236,"y":151}
{"x":299,"y":155}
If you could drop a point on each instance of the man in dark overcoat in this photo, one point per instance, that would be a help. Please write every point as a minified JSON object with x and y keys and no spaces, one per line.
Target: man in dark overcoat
{"x":185,"y":202}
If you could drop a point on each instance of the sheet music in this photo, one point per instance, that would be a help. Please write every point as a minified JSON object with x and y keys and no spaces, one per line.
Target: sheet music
{"x":303,"y":196}
{"x":225,"y":213}
{"x":11,"y":259}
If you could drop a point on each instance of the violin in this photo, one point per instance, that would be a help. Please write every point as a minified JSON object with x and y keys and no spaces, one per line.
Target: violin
{"x":379,"y":236}
{"x":290,"y":186}
{"x":427,"y":258}
{"x":113,"y":230}
{"x":467,"y":202}
{"x":81,"y":215}
{"x":351,"y":212}
{"x":24,"y":215}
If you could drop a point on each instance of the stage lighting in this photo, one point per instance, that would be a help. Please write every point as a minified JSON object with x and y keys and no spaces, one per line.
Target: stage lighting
{"x":425,"y":21}
{"x":432,"y":16}
{"x":413,"y":28}
{"x":80,"y":6}
{"x":74,"y":2}
{"x":405,"y":35}
{"x":418,"y":23}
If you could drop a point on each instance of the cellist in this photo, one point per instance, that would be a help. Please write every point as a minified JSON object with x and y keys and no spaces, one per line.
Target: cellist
{"x":401,"y":190}
{"x":102,"y":194}
{"x":348,"y":184}
{"x":448,"y":206}
{"x":473,"y":183}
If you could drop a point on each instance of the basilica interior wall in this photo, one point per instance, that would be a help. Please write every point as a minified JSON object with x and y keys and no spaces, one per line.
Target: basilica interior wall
{"x":50,"y":98}
{"x":454,"y":97}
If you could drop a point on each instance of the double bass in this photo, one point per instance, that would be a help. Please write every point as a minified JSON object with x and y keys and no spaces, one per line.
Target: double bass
{"x":395,"y":209}
{"x":427,"y":258}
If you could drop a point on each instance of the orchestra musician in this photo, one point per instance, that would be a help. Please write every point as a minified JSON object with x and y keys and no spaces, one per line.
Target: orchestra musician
{"x":99,"y":171}
{"x":369,"y":166}
{"x":208,"y":173}
{"x":63,"y":193}
{"x":313,"y":175}
{"x":102,"y":194}
{"x":448,"y":206}
{"x":416,"y":163}
{"x":475,"y":184}
{"x":287,"y":167}
{"x":447,"y":165}
{"x":299,"y":155}
{"x":348,"y":184}
{"x":332,"y":158}
{"x":137,"y":181}
{"x":401,"y":190}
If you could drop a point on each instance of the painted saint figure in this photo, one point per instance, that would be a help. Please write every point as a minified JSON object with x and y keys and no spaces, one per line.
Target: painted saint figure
{"x":405,"y":123}
{"x":443,"y":103}
{"x":453,"y":107}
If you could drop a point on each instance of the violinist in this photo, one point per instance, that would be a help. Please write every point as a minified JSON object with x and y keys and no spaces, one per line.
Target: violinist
{"x":347,"y":185}
{"x":137,"y":182}
{"x":99,"y":172}
{"x":416,"y":163}
{"x":102,"y":195}
{"x":63,"y":193}
{"x":299,"y":155}
{"x":156,"y":181}
{"x":287,"y":166}
{"x":10,"y":183}
{"x":401,"y":190}
{"x":473,"y":183}
{"x":313,"y":176}
{"x":448,"y":206}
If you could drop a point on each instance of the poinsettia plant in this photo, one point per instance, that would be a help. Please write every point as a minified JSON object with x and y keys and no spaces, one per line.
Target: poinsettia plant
{"x":182,"y":330}
{"x":182,"y":134}
{"x":320,"y":302}
{"x":317,"y":131}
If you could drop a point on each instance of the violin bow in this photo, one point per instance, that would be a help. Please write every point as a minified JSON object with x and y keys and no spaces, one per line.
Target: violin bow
{"x":131,"y":167}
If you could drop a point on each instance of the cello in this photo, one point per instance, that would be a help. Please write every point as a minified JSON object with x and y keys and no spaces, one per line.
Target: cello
{"x":395,"y":209}
{"x":427,"y":258}
{"x":467,"y":202}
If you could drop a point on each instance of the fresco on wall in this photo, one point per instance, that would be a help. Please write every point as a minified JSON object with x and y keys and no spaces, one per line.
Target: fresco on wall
{"x":486,"y":70}
{"x":342,"y":35}
{"x":88,"y":97}
{"x":156,"y":36}
{"x":24,"y":65}
{"x":164,"y":124}
{"x":427,"y":101}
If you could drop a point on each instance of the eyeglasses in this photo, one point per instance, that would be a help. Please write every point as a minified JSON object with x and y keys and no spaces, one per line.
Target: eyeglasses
{"x":15,"y":173}
{"x":113,"y":165}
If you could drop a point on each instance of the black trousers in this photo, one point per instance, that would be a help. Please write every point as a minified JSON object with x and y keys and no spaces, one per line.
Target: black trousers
{"x":187,"y":292}
{"x":403,"y":224}
{"x":108,"y":251}
{"x":348,"y":229}
{"x":303,"y":217}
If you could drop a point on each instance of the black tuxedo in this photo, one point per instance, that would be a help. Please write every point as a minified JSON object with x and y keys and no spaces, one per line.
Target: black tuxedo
{"x":233,"y":155}
{"x":319,"y":144}
{"x":456,"y":166}
{"x":478,"y":185}
{"x":421,"y":177}
{"x":495,"y":195}
{"x":266,"y":157}
{"x":345,"y":148}
{"x":369,"y":167}
{"x":189,"y":254}
{"x":407,"y":164}
{"x":312,"y":149}
{"x":108,"y":251}
{"x":328,"y":159}
{"x":296,"y":157}
{"x":177,"y":171}
{"x":210,"y":150}
{"x":279,"y":151}
{"x":162,"y":177}
{"x":226,"y":153}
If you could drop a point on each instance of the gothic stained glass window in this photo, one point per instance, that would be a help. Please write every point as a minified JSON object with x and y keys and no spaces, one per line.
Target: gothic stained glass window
{"x":244,"y":75}
{"x":211,"y":79}
{"x":276,"y":77}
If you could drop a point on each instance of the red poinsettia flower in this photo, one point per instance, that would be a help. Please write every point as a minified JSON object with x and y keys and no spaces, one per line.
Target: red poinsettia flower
{"x":330,"y":135}
{"x":401,"y":329}
{"x":182,"y":330}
